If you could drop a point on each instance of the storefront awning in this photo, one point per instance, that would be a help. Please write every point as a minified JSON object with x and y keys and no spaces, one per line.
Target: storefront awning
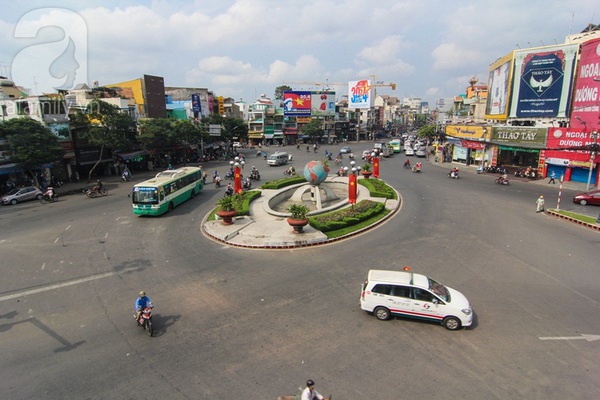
{"x":129,"y":156}
{"x":10,"y":169}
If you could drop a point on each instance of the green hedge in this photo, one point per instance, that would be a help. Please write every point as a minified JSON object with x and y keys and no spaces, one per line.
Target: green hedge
{"x":347,"y":217}
{"x":378,"y":188}
{"x":283,"y":182}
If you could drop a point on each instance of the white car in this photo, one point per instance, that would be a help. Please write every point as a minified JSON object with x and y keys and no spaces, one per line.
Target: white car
{"x":409,"y":151}
{"x":406,"y":294}
{"x":345,"y":150}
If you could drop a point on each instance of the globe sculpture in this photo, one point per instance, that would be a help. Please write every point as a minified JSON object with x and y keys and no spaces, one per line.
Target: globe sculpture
{"x":315,"y":172}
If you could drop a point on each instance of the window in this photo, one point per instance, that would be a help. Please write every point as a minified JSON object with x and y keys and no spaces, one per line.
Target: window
{"x":401,"y":291}
{"x":422,"y":295}
{"x":382,"y":289}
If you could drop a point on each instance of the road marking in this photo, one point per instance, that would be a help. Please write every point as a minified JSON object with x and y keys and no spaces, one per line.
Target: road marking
{"x":43,"y":266}
{"x":589,"y":338}
{"x":64,"y":284}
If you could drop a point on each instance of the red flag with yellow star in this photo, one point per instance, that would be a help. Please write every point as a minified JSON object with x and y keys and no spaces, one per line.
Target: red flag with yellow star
{"x":352,"y":189}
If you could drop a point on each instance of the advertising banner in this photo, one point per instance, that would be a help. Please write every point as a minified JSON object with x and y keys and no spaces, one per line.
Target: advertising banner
{"x":542,"y":81}
{"x":586,"y":105}
{"x":467,"y":132}
{"x":297,"y":104}
{"x":323,"y":103}
{"x":196,"y":105}
{"x":563,"y":138}
{"x":500,"y":76}
{"x":519,"y":136}
{"x":359,"y":94}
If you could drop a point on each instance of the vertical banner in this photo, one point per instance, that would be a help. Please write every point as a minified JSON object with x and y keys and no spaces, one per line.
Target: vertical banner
{"x":376,"y":167}
{"x":237,"y":180}
{"x":352,"y":188}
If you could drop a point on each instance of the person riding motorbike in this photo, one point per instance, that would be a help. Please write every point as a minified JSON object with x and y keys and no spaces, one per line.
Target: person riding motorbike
{"x":254,"y":174}
{"x":142,"y":302}
{"x":407,"y":164}
{"x":217,"y":180}
{"x":98,"y":187}
{"x":290,"y":171}
{"x":454,"y":173}
{"x":247,"y":183}
{"x":49,"y":193}
{"x":310,"y":393}
{"x":229,"y":190}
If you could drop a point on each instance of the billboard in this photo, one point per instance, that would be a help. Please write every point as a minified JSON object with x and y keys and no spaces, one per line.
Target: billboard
{"x":564,"y":138}
{"x":519,"y":136}
{"x":473,"y":132}
{"x":323,"y":103}
{"x":542,"y":81}
{"x":359,"y":94}
{"x":585,"y":100}
{"x":499,"y":80}
{"x":297,"y":104}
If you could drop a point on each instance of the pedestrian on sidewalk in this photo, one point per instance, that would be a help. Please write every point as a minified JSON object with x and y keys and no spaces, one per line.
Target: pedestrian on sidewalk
{"x":552,"y":176}
{"x":540,"y":204}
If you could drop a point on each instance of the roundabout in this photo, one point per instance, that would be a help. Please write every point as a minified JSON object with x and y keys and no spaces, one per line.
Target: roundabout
{"x":267,"y":228}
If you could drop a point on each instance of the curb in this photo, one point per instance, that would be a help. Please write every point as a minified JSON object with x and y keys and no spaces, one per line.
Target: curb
{"x":392,"y":212}
{"x":595,"y":227}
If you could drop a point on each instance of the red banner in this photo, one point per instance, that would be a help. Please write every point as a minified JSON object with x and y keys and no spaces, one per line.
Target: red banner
{"x":375,"y":167}
{"x":237,"y":180}
{"x":352,"y":189}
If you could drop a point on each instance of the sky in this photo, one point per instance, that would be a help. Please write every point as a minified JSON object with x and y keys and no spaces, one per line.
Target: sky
{"x":245,"y":48}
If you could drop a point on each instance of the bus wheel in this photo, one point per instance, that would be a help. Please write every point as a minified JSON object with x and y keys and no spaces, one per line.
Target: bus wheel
{"x":171,"y":206}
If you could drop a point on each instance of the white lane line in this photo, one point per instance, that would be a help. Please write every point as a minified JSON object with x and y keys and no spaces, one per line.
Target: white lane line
{"x":67,"y":228}
{"x":57,"y":239}
{"x":589,"y":338}
{"x":64,"y":284}
{"x":43,"y":266}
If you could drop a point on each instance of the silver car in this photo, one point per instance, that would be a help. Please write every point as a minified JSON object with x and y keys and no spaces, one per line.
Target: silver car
{"x":22,"y":194}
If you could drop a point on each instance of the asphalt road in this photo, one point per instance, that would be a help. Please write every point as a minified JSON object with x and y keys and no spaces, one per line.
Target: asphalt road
{"x":253,"y":324}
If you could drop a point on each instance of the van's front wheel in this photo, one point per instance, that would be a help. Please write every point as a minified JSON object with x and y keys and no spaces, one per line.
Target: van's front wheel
{"x":451,"y":323}
{"x":382,"y":313}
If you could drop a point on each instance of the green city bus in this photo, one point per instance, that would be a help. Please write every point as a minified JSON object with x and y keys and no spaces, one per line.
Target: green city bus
{"x":166,"y":190}
{"x":395,"y":145}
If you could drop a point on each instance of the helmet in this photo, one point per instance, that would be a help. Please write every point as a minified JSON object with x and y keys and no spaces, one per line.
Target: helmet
{"x":310,"y":382}
{"x":142,"y":293}
{"x":541,"y":197}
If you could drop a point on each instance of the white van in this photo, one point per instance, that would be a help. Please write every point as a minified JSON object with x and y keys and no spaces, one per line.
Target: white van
{"x":278,"y":158}
{"x":406,"y":294}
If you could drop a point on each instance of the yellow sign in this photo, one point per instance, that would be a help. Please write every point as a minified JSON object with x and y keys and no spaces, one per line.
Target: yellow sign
{"x":303,"y":119}
{"x":467,"y":131}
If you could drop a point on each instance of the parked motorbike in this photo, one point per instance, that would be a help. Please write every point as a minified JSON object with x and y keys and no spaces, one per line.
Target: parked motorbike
{"x":502,"y":181}
{"x":45,"y":199}
{"x":145,"y":320}
{"x":55,"y":182}
{"x":91,"y":193}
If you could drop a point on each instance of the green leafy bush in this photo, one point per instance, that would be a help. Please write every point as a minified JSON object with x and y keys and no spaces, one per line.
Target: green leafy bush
{"x":347,"y":217}
{"x":378,"y":188}
{"x":283,"y":182}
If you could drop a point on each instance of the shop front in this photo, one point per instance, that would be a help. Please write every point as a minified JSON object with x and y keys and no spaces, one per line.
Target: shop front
{"x":518,"y":147}
{"x":467,"y":144}
{"x":567,"y":156}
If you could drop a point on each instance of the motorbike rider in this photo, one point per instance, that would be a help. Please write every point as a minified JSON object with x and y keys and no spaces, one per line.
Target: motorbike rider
{"x":49,"y":193}
{"x":291,"y":171}
{"x":407,"y":163}
{"x":98,"y":187}
{"x":454,"y":173}
{"x":310,"y":393}
{"x":142,"y":302}
{"x":229,"y":190}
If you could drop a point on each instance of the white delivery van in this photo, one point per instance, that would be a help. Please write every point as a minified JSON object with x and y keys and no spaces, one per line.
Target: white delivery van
{"x":278,"y":158}
{"x":406,"y":294}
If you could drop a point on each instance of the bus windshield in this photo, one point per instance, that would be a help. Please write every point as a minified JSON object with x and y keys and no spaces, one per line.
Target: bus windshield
{"x":145,"y":195}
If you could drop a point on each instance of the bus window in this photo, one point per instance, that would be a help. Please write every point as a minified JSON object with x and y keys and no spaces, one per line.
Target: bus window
{"x":145,"y":195}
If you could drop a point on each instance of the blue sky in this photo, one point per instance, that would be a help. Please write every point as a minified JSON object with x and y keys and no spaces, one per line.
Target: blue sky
{"x":244,"y":48}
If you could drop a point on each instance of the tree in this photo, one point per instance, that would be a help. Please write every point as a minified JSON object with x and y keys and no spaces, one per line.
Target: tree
{"x":32,"y":144}
{"x":279,"y":90}
{"x":231,"y":127}
{"x":156,"y":135}
{"x":107,"y":127}
{"x":314,"y":129}
{"x":185,"y":131}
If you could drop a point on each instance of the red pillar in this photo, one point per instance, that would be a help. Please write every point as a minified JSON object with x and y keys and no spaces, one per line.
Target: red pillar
{"x":376,"y":167}
{"x":352,"y":188}
{"x":237,"y":180}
